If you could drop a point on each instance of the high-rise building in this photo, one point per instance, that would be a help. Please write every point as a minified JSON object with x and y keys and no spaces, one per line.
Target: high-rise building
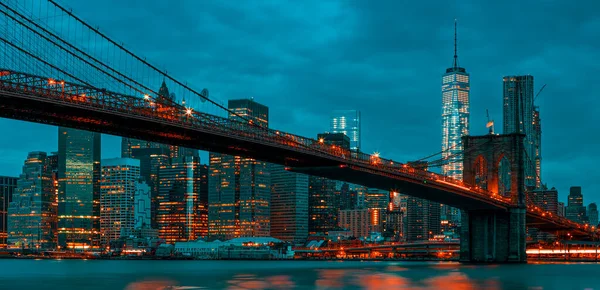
{"x":324,"y":194}
{"x":422,"y":216}
{"x":592,"y":214}
{"x":31,"y":214}
{"x":546,"y":199}
{"x":393,"y":228}
{"x":377,"y":198}
{"x":289,"y":205}
{"x":361,"y":222}
{"x":323,"y":204}
{"x":537,"y":146}
{"x":240,"y":193}
{"x":348,"y":123}
{"x":142,"y":206}
{"x":575,"y":210}
{"x":455,"y":115}
{"x":7,"y":187}
{"x":518,"y":117}
{"x":151,"y":159}
{"x":118,"y":188}
{"x":456,"y":88}
{"x":561,"y":209}
{"x":78,"y":188}
{"x":182,"y":201}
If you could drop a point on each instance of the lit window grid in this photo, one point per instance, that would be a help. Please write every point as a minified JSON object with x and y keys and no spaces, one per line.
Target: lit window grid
{"x":455,"y":120}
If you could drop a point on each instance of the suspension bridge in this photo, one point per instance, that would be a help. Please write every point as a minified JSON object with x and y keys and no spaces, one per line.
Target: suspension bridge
{"x":57,"y":69}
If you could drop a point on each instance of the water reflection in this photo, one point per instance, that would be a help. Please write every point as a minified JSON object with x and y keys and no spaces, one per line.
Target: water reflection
{"x":150,"y":285}
{"x":251,"y":281}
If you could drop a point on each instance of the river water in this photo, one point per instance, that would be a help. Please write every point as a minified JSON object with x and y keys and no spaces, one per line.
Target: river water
{"x":155,"y":275}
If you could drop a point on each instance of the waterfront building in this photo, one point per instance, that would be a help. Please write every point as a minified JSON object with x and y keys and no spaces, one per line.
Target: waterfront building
{"x":32,"y":211}
{"x":289,"y":205}
{"x":118,"y":188}
{"x":362,"y":222}
{"x":78,"y":188}
{"x":575,"y":210}
{"x":182,"y":201}
{"x":151,"y":159}
{"x":7,"y":187}
{"x":142,"y":206}
{"x":240,"y":187}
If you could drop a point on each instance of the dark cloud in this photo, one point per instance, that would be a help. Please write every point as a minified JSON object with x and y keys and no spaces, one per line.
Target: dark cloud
{"x":305,"y":59}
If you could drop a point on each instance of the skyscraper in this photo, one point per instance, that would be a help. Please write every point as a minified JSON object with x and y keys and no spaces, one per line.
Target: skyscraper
{"x":455,"y":115}
{"x":182,"y":201}
{"x":78,"y":188}
{"x":347,"y":122}
{"x":592,"y":213}
{"x":422,"y":216}
{"x":240,"y":188}
{"x":518,"y":117}
{"x":7,"y":187}
{"x":31,"y":214}
{"x":377,"y":198}
{"x":537,"y":146}
{"x":289,"y":204}
{"x":118,"y":187}
{"x":456,"y":87}
{"x":324,"y":194}
{"x":151,"y":159}
{"x":575,"y":210}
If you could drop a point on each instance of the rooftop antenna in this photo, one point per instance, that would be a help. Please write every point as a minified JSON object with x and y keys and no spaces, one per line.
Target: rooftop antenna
{"x":455,"y":46}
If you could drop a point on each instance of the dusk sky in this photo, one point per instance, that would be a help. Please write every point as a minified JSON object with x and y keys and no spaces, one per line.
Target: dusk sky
{"x":385,"y":58}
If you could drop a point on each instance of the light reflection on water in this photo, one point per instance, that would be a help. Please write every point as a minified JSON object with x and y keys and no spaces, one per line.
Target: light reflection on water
{"x":184,"y":275}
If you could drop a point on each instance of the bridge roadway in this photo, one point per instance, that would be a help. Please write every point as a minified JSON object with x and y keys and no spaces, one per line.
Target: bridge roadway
{"x":56,"y":102}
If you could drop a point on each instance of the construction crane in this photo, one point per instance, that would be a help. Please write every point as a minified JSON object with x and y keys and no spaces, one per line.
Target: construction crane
{"x":490,"y":123}
{"x":539,"y":92}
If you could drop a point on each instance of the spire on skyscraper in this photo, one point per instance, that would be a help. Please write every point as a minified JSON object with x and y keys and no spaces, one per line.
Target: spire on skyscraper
{"x":455,"y":47}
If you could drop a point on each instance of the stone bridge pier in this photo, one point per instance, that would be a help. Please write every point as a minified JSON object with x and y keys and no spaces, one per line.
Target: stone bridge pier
{"x":495,"y":163}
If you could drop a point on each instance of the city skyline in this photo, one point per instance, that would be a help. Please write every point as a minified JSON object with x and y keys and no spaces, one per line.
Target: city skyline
{"x":560,"y":159}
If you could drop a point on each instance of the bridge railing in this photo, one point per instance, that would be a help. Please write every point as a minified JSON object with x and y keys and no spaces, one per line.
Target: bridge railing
{"x":168,"y":111}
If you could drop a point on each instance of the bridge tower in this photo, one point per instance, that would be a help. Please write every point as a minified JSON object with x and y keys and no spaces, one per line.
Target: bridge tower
{"x":495,"y":163}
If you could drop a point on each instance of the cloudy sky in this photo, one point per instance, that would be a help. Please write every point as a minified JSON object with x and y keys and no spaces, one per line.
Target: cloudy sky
{"x":304,"y":59}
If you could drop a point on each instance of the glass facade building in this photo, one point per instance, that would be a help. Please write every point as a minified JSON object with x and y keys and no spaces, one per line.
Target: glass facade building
{"x":32,"y":211}
{"x":240,"y":188}
{"x":289,"y":205}
{"x":347,"y":122}
{"x":519,"y":116}
{"x":118,"y":188}
{"x":78,"y":189}
{"x":151,"y":159}
{"x":182,"y":201}
{"x":456,"y":90}
{"x":575,"y":209}
{"x":7,"y":187}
